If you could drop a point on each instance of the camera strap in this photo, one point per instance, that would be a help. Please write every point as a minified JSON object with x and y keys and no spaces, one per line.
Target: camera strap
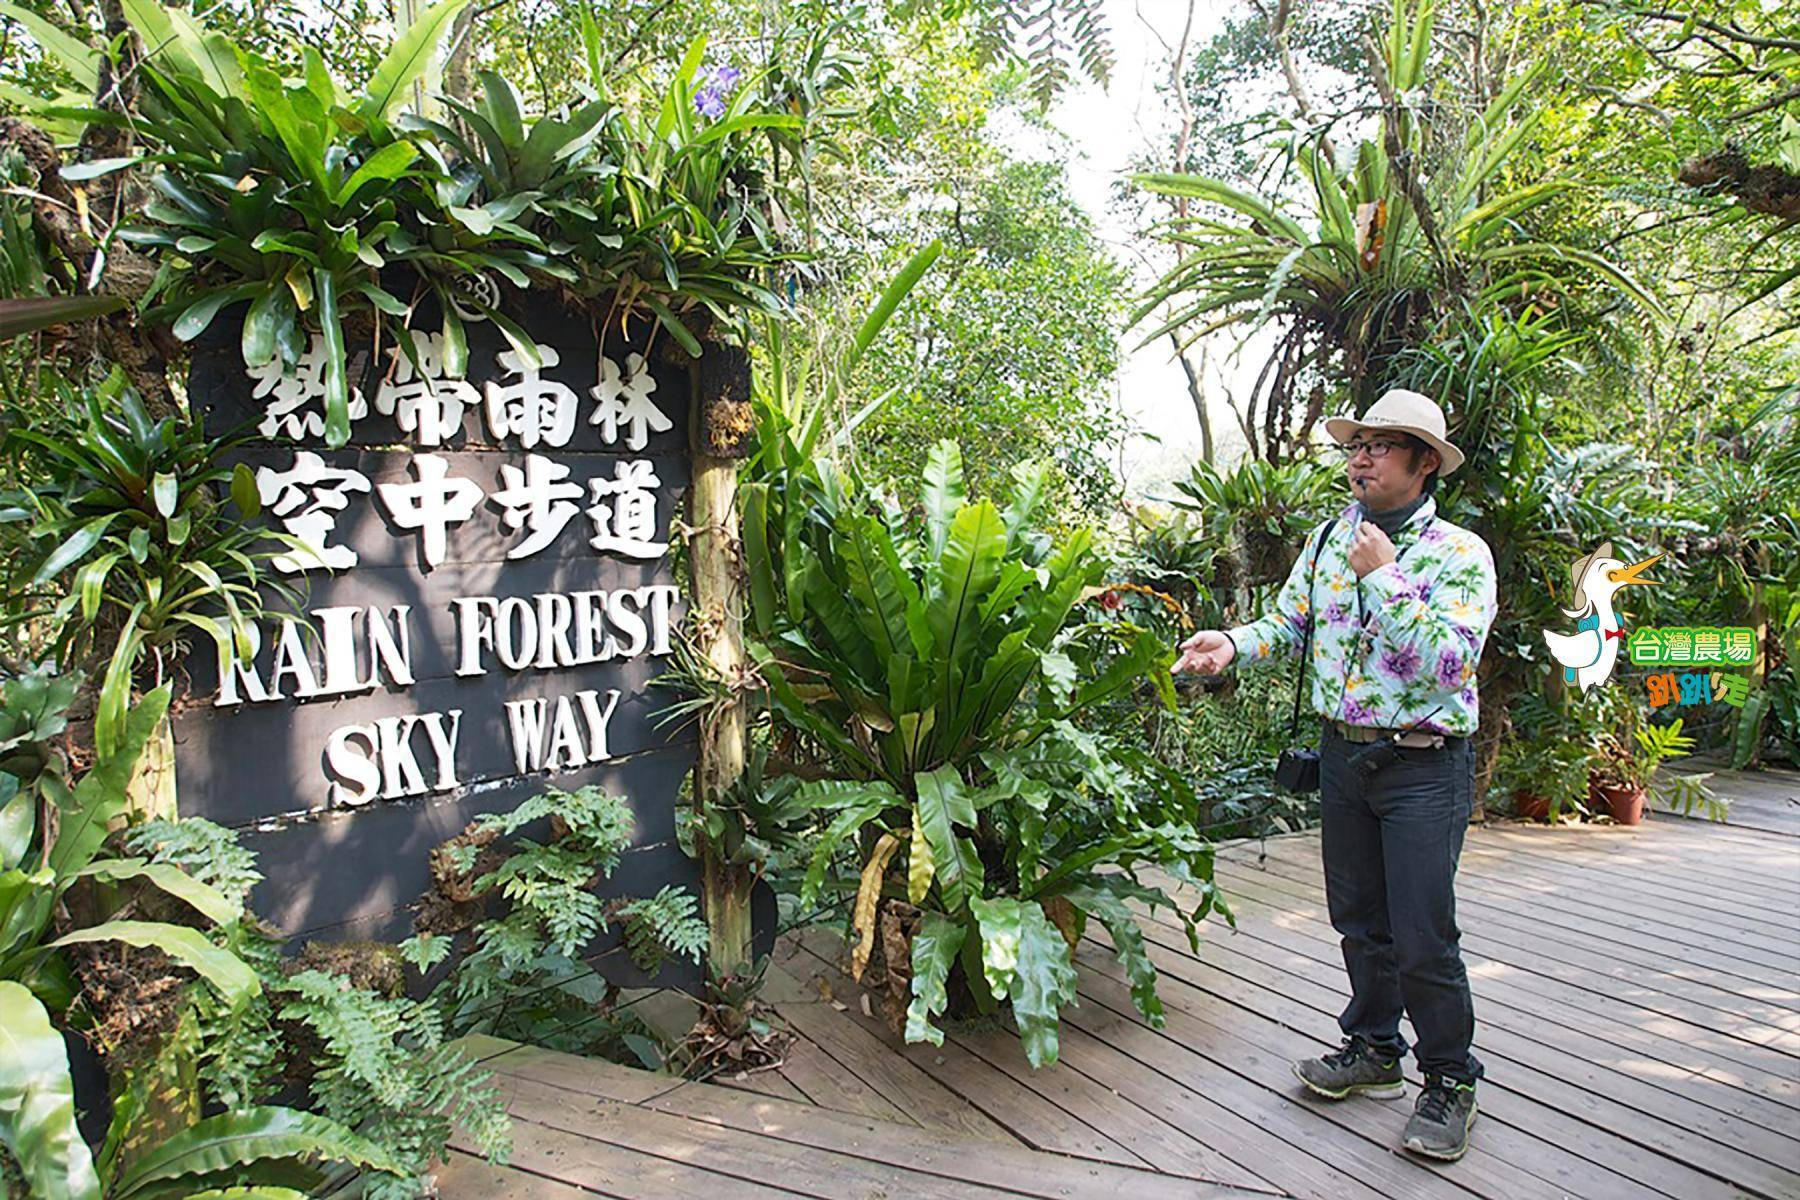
{"x":1312,"y":615}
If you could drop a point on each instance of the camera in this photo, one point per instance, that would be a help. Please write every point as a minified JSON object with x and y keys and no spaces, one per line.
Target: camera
{"x":1298,"y":771}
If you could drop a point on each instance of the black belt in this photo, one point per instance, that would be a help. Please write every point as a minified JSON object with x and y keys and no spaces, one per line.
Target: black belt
{"x":1418,"y":739}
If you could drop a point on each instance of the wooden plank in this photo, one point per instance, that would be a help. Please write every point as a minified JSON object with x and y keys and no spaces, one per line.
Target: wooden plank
{"x":1303,"y":917}
{"x":1742,"y":955}
{"x":1523,"y":1144}
{"x":469,"y":1177}
{"x":1729,"y":1086}
{"x":825,"y":1082}
{"x":672,"y":1014}
{"x":1003,"y":1165}
{"x":1020,"y":1111}
{"x":1572,"y":888}
{"x":1771,"y":1027}
{"x":1495,"y":900}
{"x":1213,"y":1056}
{"x":599,"y":1166}
{"x":1705,"y":849}
{"x":1307,"y":900}
{"x":745,"y":1156}
{"x":1530,"y":843}
{"x":1765,"y":813}
{"x":865,"y":1055}
{"x":625,"y":1084}
{"x":1235,"y":1139}
{"x":1490,"y":856}
{"x":1642,"y":1117}
{"x":1675,"y":906}
{"x":1162,"y":1146}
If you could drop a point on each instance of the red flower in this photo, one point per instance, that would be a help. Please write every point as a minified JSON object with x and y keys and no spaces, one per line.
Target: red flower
{"x":1111,"y":601}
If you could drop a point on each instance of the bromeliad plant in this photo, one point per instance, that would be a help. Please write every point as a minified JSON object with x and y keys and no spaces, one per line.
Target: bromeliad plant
{"x":302,"y":200}
{"x":932,"y":666}
{"x":1383,"y":252}
{"x":129,"y":549}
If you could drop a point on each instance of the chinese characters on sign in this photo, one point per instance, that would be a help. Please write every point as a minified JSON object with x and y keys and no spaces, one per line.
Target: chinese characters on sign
{"x":1696,"y":687}
{"x":308,"y":496}
{"x":1682,"y":646}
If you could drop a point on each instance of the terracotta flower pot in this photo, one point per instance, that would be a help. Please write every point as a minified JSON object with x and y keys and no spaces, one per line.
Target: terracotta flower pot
{"x":1624,"y":801}
{"x":1531,"y":806}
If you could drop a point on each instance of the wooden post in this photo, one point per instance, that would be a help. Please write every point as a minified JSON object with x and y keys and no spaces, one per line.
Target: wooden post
{"x":720,"y":434}
{"x":150,"y":793}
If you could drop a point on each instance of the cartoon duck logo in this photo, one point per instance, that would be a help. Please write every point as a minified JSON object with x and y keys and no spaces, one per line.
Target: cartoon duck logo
{"x":1588,"y":654}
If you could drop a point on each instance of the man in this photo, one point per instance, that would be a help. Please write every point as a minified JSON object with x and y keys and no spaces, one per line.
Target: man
{"x":1400,"y":603}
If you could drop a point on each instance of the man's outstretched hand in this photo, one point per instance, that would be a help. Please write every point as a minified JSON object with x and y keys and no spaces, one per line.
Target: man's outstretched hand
{"x":1208,"y":652}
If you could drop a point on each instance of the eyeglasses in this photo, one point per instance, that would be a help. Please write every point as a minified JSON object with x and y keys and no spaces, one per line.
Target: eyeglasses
{"x":1376,"y":449}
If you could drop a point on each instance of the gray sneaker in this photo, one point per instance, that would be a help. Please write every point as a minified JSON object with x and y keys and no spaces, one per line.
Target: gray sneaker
{"x":1354,"y":1067}
{"x":1440,"y":1122}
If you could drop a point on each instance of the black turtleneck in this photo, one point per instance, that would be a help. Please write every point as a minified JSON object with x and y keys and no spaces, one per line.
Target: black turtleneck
{"x":1390,"y":521}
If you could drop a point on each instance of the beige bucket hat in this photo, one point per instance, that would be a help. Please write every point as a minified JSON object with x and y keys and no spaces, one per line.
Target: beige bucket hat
{"x":1401,"y":411}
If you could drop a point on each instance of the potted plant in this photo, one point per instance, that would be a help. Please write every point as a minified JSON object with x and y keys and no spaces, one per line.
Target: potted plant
{"x":1543,"y":778}
{"x":1623,"y":781}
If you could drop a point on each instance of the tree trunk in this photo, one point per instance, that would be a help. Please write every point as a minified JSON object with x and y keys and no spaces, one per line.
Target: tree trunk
{"x":1197,"y":394}
{"x":715,"y":562}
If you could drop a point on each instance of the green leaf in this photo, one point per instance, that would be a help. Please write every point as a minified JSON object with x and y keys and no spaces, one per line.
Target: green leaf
{"x":26,"y":902}
{"x":244,"y":492}
{"x":388,"y":163}
{"x":164,"y":492}
{"x":78,"y":544}
{"x":337,"y":383}
{"x":999,"y":921}
{"x":456,"y":343}
{"x":41,"y":312}
{"x":267,"y":312}
{"x":1059,"y":674}
{"x":1128,"y":942}
{"x":944,"y":493}
{"x":37,"y":1102}
{"x":94,"y":168}
{"x":669,"y":321}
{"x":866,"y":801}
{"x":203,"y":898}
{"x":80,"y":60}
{"x":18,"y":821}
{"x":943,"y":805}
{"x":99,"y":797}
{"x":1023,"y":955}
{"x":197,"y":316}
{"x":235,"y":981}
{"x":407,"y":59}
{"x":970,"y":564}
{"x":234,"y":1140}
{"x":934,"y":948}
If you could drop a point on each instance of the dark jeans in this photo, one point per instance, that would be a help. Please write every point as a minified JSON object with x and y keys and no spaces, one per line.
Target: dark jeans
{"x":1391,"y":843}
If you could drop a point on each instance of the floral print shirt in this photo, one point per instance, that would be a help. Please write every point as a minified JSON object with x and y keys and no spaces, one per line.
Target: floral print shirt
{"x":1423,"y":622}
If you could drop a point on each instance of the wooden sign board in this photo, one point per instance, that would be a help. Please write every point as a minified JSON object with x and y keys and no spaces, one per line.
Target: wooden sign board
{"x":488,"y":593}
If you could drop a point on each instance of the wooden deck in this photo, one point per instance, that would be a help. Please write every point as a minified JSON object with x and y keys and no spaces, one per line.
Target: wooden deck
{"x":1638,"y":1007}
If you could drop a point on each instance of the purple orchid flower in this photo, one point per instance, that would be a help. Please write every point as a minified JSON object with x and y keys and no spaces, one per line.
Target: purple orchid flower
{"x":709,"y":100}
